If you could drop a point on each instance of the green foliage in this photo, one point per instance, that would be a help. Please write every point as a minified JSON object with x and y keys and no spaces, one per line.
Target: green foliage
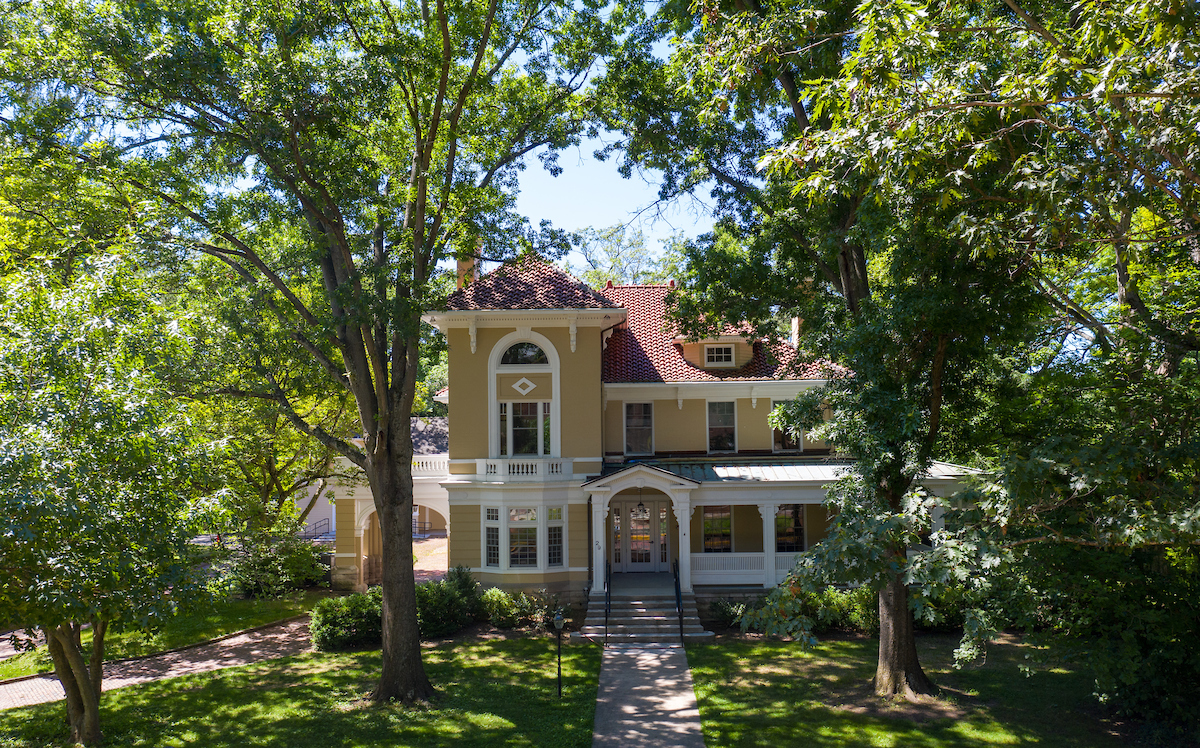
{"x":500,"y":607}
{"x":271,"y":566}
{"x":459,"y":578}
{"x":350,"y":622}
{"x":355,"y":621}
{"x":505,"y":610}
{"x":812,"y":612}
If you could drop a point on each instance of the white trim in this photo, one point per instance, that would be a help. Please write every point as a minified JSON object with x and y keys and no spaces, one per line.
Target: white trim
{"x":625,"y":429}
{"x":493,"y":408}
{"x":523,"y":570}
{"x":606,"y":317}
{"x":542,"y":536}
{"x":780,"y":389}
{"x":731,"y":364}
{"x":708,"y":428}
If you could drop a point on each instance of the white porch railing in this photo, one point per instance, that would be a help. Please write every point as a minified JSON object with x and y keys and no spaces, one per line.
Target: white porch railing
{"x":527,"y":470}
{"x":784,"y":562}
{"x":727,"y":568}
{"x":430,"y":465}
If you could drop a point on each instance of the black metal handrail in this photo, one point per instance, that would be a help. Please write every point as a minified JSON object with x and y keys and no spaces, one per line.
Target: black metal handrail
{"x":607,"y":597}
{"x":678,"y":598}
{"x":316,"y":529}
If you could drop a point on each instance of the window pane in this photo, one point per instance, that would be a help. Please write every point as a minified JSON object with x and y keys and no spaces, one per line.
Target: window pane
{"x":554,"y":514}
{"x":554,"y":546}
{"x":493,"y":514}
{"x":522,"y":515}
{"x":522,"y":546}
{"x":503,"y":428}
{"x":545,"y":428}
{"x":718,"y":529}
{"x":719,"y":354}
{"x":524,"y":353}
{"x":639,"y":428}
{"x":493,"y":546}
{"x":783,"y":441}
{"x":524,"y":428}
{"x":789,"y":528}
{"x":720,"y":427}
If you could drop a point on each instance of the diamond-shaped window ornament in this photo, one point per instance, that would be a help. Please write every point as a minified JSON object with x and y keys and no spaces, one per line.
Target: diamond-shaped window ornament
{"x":524,"y":386}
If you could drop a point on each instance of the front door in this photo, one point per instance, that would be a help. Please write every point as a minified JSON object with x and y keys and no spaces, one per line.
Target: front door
{"x":640,"y":536}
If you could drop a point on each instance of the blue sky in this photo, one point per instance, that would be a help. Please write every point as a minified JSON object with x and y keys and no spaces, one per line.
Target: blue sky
{"x":592,"y":193}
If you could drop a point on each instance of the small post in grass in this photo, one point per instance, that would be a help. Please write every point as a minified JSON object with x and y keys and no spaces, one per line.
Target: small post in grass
{"x":558,"y":626}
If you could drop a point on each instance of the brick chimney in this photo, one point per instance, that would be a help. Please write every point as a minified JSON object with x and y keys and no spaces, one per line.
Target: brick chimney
{"x":466,"y":271}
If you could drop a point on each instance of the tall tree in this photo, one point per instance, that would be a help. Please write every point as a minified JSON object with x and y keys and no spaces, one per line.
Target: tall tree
{"x":97,"y":489}
{"x":884,"y":292}
{"x":330,"y":155}
{"x":1047,"y":143}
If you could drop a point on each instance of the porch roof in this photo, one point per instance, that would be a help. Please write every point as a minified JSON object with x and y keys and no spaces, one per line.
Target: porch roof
{"x":820,"y":470}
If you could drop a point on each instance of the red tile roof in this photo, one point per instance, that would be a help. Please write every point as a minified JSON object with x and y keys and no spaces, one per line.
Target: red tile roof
{"x":642,"y":348}
{"x":529,"y":282}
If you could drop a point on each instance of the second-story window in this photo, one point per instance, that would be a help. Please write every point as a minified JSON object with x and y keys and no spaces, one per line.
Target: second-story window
{"x":718,"y":355}
{"x":783,"y":441}
{"x":721,"y":423}
{"x":639,"y":428}
{"x":524,"y":428}
{"x":524,"y":353}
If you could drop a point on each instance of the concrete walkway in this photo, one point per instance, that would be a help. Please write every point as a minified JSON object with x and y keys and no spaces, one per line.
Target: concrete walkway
{"x":646,"y":698}
{"x":281,"y":640}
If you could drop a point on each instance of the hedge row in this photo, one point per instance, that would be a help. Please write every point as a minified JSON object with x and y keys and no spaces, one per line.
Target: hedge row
{"x":443,"y":608}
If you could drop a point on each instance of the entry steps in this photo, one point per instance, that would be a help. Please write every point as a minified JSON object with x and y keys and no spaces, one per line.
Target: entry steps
{"x":642,"y":617}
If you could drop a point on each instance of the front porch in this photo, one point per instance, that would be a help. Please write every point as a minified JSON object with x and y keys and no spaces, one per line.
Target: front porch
{"x":644,"y":517}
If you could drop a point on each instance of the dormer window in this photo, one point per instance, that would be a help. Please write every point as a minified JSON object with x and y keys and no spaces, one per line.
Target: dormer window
{"x":524,"y":353}
{"x":718,"y":356}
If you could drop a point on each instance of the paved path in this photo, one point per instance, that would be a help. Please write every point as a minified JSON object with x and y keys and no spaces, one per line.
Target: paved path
{"x":6,"y":648}
{"x":646,"y":698}
{"x":280,"y":640}
{"x":432,"y":559}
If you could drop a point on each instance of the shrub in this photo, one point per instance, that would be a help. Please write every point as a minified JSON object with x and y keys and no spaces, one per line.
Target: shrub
{"x":351,"y":622}
{"x":461,"y":580}
{"x":265,"y":566}
{"x":500,"y":608}
{"x":506,"y":611}
{"x":728,"y":613}
{"x":355,"y":621}
{"x":441,"y":609}
{"x":830,"y":609}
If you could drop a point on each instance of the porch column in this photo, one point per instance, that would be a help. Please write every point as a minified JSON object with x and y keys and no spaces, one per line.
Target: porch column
{"x":599,"y":538}
{"x":768,"y":517}
{"x":682,"y":505}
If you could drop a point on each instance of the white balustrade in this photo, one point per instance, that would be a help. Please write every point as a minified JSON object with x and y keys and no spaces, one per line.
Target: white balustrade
{"x":523,"y":470}
{"x":435,"y":465}
{"x":727,"y":568}
{"x":784,"y":562}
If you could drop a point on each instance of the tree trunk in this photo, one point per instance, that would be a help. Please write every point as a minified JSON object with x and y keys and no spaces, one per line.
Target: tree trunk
{"x":403,"y":675}
{"x":898,"y":672}
{"x":80,"y":687}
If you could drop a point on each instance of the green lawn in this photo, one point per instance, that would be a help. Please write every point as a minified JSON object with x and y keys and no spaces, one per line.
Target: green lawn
{"x":774,"y":694}
{"x":490,"y":693}
{"x":208,"y":622}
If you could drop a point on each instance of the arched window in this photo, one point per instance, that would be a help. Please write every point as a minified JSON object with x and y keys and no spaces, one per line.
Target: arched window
{"x":524,"y":353}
